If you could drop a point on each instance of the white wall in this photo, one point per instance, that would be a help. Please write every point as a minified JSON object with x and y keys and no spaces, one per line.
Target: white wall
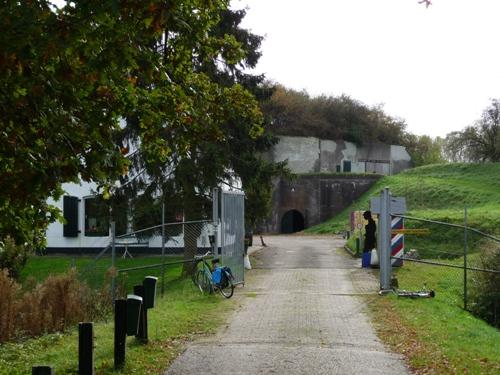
{"x":55,"y":238}
{"x":302,"y":153}
{"x":399,"y":153}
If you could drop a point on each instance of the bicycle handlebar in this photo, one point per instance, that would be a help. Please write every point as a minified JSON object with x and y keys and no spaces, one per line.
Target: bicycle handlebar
{"x":208,"y":253}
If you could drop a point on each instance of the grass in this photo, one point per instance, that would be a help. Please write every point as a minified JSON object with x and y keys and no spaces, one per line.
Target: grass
{"x":437,"y":192}
{"x":180,"y":315}
{"x":436,"y":335}
{"x":94,"y":273}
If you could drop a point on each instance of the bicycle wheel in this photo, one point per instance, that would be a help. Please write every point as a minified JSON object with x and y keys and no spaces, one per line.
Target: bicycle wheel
{"x":228,"y":289}
{"x":203,"y":281}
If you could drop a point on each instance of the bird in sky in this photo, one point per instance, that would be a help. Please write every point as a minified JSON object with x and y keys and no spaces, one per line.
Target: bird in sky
{"x":426,"y":2}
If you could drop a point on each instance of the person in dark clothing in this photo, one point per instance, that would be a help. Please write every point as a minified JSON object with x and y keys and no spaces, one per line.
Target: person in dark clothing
{"x":370,"y":229}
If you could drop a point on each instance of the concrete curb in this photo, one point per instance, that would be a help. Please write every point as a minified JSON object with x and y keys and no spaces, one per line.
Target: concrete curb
{"x":351,"y":252}
{"x":253,"y":249}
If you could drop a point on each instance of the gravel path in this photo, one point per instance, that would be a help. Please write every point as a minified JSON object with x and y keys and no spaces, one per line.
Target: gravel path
{"x":301,"y":313}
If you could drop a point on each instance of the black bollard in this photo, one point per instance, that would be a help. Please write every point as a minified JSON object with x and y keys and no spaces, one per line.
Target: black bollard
{"x":86,"y":348}
{"x":120,"y":332}
{"x":142,"y":334}
{"x":42,"y":370}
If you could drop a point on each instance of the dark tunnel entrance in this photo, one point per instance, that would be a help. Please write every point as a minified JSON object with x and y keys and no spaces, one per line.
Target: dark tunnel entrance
{"x":293,"y":221}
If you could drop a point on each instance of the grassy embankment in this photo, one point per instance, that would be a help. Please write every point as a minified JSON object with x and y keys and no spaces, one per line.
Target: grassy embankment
{"x":181,"y":314}
{"x":438,"y":192}
{"x":437,"y":335}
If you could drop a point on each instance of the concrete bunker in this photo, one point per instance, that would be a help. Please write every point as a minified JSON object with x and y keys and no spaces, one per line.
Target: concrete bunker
{"x":292,"y":221}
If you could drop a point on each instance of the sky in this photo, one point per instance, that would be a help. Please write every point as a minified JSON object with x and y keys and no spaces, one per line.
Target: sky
{"x":437,"y":68}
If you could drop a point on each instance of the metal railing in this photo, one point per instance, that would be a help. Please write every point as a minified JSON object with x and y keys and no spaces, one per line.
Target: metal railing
{"x":160,"y":250}
{"x":457,"y":263}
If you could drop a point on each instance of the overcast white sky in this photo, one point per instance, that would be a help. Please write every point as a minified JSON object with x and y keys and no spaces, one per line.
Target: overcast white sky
{"x":437,"y":68}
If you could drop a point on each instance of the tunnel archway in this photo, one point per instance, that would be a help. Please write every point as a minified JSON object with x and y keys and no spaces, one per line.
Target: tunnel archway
{"x":292,"y":221}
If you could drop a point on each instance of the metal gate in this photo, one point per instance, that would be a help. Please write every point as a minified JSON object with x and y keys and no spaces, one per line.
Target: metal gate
{"x":232,"y":217}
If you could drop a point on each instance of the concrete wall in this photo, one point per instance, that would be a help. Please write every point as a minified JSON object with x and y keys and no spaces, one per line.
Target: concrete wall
{"x":316,"y":197}
{"x":324,"y":194}
{"x":401,"y":160}
{"x":301,"y":152}
{"x":313,"y":155}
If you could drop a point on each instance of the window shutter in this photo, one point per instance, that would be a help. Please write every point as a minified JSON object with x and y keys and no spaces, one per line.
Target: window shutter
{"x":70,"y":212}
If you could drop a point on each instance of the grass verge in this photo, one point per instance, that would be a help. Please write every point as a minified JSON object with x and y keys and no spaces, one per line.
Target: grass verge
{"x":435,"y":335}
{"x":180,"y":315}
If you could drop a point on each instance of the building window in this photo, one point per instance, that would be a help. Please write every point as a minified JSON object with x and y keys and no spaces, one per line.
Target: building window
{"x":347,"y":165}
{"x":96,"y":217}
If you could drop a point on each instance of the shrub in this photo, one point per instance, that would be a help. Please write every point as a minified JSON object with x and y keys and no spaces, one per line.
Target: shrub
{"x":9,"y":292}
{"x":13,"y":257}
{"x":56,"y":304}
{"x":485,"y":296}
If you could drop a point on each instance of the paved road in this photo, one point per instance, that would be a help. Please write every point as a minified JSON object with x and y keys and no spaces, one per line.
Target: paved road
{"x":302,"y":314}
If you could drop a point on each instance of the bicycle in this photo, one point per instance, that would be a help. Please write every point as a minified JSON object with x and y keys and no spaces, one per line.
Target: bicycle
{"x":415,"y":294}
{"x":202,"y":277}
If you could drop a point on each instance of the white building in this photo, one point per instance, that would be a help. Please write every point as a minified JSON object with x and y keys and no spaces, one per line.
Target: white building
{"x":87,"y":227}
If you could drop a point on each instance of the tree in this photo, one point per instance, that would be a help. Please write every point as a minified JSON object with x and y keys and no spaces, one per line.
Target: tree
{"x":69,"y":75}
{"x":424,"y":149}
{"x":297,"y":114}
{"x":479,"y":142}
{"x":209,"y":158}
{"x":455,"y":147}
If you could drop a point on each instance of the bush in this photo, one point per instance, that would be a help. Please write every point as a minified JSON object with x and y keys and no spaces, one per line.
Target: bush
{"x":9,"y":292}
{"x":54,"y":305}
{"x":13,"y":257}
{"x":485,"y":296}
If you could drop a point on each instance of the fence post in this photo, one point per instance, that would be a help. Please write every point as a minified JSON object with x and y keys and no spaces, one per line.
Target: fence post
{"x":465,"y":258}
{"x":113,"y":261}
{"x":86,"y":348}
{"x":215,"y":219}
{"x":385,"y":240}
{"x":163,"y":248}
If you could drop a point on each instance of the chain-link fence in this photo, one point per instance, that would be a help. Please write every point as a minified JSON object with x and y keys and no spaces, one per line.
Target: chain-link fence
{"x":460,"y":263}
{"x":159,"y":251}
